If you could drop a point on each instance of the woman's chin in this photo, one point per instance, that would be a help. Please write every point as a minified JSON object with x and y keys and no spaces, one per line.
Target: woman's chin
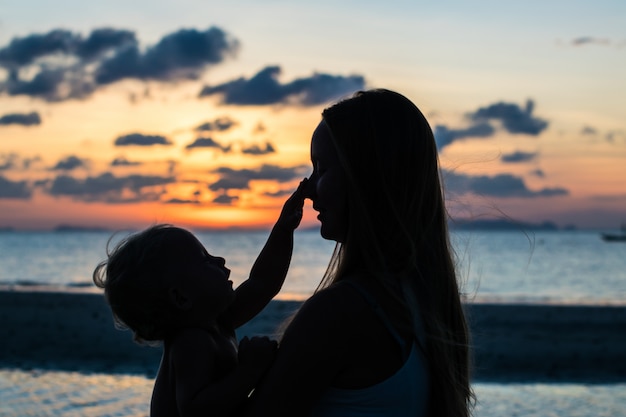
{"x":331,"y":234}
{"x":325,"y":233}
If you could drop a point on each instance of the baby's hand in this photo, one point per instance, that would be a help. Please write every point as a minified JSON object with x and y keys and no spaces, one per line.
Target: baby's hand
{"x":259,"y":351}
{"x":291,"y":214}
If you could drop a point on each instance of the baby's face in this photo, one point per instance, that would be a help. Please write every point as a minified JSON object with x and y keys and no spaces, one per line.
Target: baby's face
{"x":203,"y":277}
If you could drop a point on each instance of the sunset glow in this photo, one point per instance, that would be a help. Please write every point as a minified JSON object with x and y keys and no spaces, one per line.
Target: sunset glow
{"x":200,"y":115}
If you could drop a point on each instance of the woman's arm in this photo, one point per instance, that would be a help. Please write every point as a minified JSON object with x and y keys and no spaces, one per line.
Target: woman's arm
{"x":270,"y":268}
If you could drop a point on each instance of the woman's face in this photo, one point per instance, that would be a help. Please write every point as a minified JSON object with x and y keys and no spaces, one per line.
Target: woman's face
{"x":328,"y":183}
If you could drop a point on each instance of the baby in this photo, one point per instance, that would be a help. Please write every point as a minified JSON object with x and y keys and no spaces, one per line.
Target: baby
{"x":163,"y":285}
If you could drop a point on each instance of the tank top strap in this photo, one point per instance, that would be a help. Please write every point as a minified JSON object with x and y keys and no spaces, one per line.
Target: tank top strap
{"x":381,"y":315}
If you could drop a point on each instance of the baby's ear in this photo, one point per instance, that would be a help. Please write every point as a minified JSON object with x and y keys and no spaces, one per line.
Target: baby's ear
{"x":179,"y":299}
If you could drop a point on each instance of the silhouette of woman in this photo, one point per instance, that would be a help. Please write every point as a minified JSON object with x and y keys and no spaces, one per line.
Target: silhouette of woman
{"x":385,"y":333}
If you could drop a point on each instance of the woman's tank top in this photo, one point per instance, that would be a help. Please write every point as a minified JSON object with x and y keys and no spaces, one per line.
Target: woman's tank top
{"x":404,"y":394}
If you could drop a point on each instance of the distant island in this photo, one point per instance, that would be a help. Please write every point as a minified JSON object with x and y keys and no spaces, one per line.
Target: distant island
{"x":505,"y":224}
{"x":74,"y":228}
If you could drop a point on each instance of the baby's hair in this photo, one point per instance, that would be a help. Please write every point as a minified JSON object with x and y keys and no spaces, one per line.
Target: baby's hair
{"x":134,"y":281}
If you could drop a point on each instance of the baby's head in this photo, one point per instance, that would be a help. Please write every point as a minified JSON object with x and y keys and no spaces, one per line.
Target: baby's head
{"x":160,"y":279}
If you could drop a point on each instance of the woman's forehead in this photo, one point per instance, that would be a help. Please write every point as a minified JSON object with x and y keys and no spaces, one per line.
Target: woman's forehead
{"x":321,"y":141}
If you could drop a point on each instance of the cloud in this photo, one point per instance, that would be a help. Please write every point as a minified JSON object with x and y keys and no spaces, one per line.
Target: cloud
{"x":240,"y":179}
{"x":108,"y":188}
{"x":207,"y":143}
{"x":225,"y":199}
{"x":501,"y":185}
{"x":181,"y":55}
{"x":610,"y":136}
{"x":62,"y":62}
{"x":264,"y":88}
{"x":279,"y":193}
{"x":14,"y":189}
{"x":70,"y":163}
{"x":28,"y":49}
{"x":257,"y":150}
{"x":181,"y":201}
{"x":27,"y":163}
{"x":445,"y":136}
{"x":50,"y":84}
{"x":218,"y":125}
{"x":259,"y":128}
{"x":519,"y":156}
{"x":590,"y":40}
{"x":139,"y":139}
{"x":11,"y":161}
{"x":24,"y":51}
{"x":121,"y":161}
{"x":538,"y":173}
{"x":514,"y":118}
{"x":231,"y":181}
{"x":24,"y":119}
{"x":62,"y":65}
{"x":588,"y":130}
{"x":8,"y":161}
{"x":253,"y":149}
{"x":102,"y":40}
{"x":614,"y":135}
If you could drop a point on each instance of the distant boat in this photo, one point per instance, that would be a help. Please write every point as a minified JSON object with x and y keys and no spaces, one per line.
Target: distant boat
{"x":615,"y":237}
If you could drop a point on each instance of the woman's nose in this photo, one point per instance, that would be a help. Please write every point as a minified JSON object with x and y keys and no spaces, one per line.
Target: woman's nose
{"x":311,"y":185}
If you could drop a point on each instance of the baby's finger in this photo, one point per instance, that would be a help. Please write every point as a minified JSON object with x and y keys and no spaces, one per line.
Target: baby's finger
{"x":297,"y":198}
{"x":300,"y":191}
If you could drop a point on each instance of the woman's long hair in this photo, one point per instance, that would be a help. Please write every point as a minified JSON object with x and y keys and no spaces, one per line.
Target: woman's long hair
{"x":397,"y":232}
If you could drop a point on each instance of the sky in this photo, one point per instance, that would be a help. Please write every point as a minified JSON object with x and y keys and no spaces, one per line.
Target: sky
{"x":121,"y":114}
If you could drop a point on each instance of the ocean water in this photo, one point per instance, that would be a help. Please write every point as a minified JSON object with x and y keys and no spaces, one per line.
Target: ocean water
{"x":69,"y":394}
{"x":563,"y":266}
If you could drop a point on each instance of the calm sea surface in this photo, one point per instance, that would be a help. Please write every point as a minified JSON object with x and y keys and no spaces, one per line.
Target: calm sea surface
{"x":571,"y":267}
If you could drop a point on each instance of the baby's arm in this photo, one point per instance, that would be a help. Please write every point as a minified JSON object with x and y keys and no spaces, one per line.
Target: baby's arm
{"x":270,"y":268}
{"x":198,"y":392}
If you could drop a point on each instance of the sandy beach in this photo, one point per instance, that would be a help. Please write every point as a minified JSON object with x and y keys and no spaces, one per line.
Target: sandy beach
{"x":73,"y":330}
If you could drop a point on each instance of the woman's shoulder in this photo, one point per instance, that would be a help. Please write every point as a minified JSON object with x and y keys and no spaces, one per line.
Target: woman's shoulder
{"x":340,"y":297}
{"x":337,"y":309}
{"x":335,"y":316}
